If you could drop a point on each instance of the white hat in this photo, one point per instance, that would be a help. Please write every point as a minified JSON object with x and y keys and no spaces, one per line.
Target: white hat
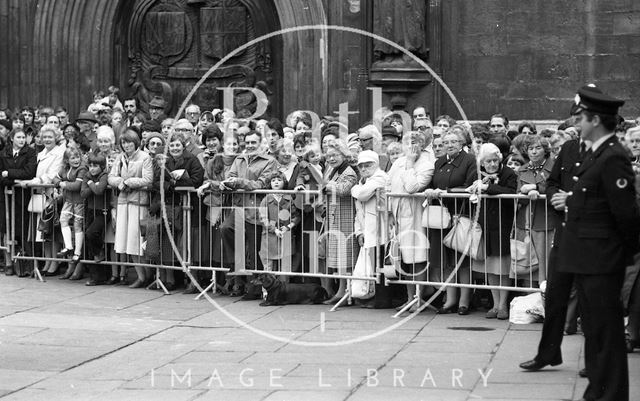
{"x":368,"y":156}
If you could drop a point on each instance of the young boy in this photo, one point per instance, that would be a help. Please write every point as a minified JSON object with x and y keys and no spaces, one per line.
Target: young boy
{"x":97,"y":215}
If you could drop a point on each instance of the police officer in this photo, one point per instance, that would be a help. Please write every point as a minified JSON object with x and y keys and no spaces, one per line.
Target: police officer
{"x":559,"y":185}
{"x":599,"y":238}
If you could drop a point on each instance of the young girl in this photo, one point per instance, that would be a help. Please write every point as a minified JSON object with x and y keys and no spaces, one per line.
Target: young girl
{"x":98,"y":215}
{"x":69,"y":179}
{"x":278,"y":216}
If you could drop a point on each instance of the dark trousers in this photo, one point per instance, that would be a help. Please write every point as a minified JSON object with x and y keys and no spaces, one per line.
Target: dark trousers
{"x":96,"y":221}
{"x":556,"y":301}
{"x":251,"y":246}
{"x":605,"y":352}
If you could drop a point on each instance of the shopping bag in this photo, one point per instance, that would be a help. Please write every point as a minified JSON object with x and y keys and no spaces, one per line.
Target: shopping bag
{"x":363,"y":289}
{"x":524,"y":258}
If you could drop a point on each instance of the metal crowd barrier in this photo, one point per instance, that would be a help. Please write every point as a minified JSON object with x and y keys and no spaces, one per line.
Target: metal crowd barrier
{"x":220,"y":235}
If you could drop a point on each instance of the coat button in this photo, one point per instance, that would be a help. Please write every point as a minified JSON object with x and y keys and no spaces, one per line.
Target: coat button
{"x":564,"y":224}
{"x":575,"y":178}
{"x":584,"y":189}
{"x":578,"y":164}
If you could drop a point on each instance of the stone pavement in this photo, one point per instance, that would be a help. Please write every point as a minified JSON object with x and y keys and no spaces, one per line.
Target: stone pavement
{"x":65,"y":341}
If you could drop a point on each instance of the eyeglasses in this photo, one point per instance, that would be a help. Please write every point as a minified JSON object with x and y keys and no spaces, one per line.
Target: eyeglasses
{"x":365,"y":139}
{"x":155,"y":143}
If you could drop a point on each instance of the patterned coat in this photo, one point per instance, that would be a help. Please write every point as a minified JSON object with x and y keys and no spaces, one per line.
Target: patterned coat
{"x":341,"y":251}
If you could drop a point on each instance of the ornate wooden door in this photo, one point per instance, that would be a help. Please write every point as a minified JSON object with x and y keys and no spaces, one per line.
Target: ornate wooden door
{"x":170,"y":44}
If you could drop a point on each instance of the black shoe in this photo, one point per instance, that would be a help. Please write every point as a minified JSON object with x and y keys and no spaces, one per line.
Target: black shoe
{"x":463,"y":310}
{"x":137,"y":284}
{"x":92,"y":283}
{"x":113,"y":280}
{"x":582,"y":372}
{"x":8,"y":270}
{"x":51,"y":274}
{"x":534,"y":365}
{"x":191,"y":289}
{"x":449,"y":309}
{"x":99,"y":258}
{"x":65,"y":253}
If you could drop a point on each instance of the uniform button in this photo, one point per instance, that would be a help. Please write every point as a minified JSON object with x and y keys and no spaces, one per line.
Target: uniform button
{"x":584,"y":189}
{"x":575,"y":178}
{"x":578,"y":164}
{"x":564,"y":224}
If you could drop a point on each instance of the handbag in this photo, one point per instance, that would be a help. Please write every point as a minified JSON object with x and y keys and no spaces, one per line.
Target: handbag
{"x":392,"y":258}
{"x":363,"y":289}
{"x":524,"y":258}
{"x":465,"y":237}
{"x":436,"y":216}
{"x":49,"y":218}
{"x":37,"y":203}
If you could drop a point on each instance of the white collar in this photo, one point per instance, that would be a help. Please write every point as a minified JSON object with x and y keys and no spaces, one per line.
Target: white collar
{"x":595,"y":145}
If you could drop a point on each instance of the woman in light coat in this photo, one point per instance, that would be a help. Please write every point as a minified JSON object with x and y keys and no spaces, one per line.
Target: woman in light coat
{"x":371,"y":223}
{"x":132,"y":175}
{"x":49,"y":164}
{"x":411,"y":174}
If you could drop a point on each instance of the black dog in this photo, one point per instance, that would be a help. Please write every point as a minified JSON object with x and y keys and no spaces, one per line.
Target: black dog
{"x":280,"y":293}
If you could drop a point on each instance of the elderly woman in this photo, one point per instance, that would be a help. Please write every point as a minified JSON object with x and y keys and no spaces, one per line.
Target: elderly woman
{"x":181,"y":169}
{"x":456,"y":169}
{"x":370,"y":225}
{"x":339,"y":178}
{"x":411,"y":174}
{"x":17,"y":162}
{"x":49,"y":164}
{"x":532,"y":214}
{"x":496,"y":220}
{"x":106,"y":147}
{"x":287,"y":162}
{"x":631,"y":287}
{"x":132,"y":176}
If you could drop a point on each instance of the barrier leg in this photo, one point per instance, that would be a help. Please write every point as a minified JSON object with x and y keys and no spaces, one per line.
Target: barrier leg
{"x":159,"y":283}
{"x":345,"y":298}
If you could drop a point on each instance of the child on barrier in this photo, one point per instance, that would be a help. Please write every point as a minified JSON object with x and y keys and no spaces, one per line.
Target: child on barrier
{"x":278,"y":216}
{"x":97,"y":216}
{"x":69,"y":179}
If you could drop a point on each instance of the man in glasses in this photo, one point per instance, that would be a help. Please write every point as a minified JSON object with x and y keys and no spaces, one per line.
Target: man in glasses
{"x":184,"y":127}
{"x":192,"y":113}
{"x":371,"y":139}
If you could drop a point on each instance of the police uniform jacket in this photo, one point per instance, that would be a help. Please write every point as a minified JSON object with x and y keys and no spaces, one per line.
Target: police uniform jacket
{"x":602,"y":222}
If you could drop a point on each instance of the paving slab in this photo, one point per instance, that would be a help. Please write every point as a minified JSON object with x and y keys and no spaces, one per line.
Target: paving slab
{"x":64,"y":341}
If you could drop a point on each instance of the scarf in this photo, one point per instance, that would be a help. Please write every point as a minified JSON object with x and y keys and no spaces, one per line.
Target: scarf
{"x":489,"y":178}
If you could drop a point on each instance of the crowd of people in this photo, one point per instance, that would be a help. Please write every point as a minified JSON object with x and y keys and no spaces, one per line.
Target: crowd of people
{"x":106,"y":175}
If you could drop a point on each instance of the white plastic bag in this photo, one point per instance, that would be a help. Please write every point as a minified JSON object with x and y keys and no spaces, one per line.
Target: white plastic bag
{"x":527,"y":309}
{"x":363,"y":289}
